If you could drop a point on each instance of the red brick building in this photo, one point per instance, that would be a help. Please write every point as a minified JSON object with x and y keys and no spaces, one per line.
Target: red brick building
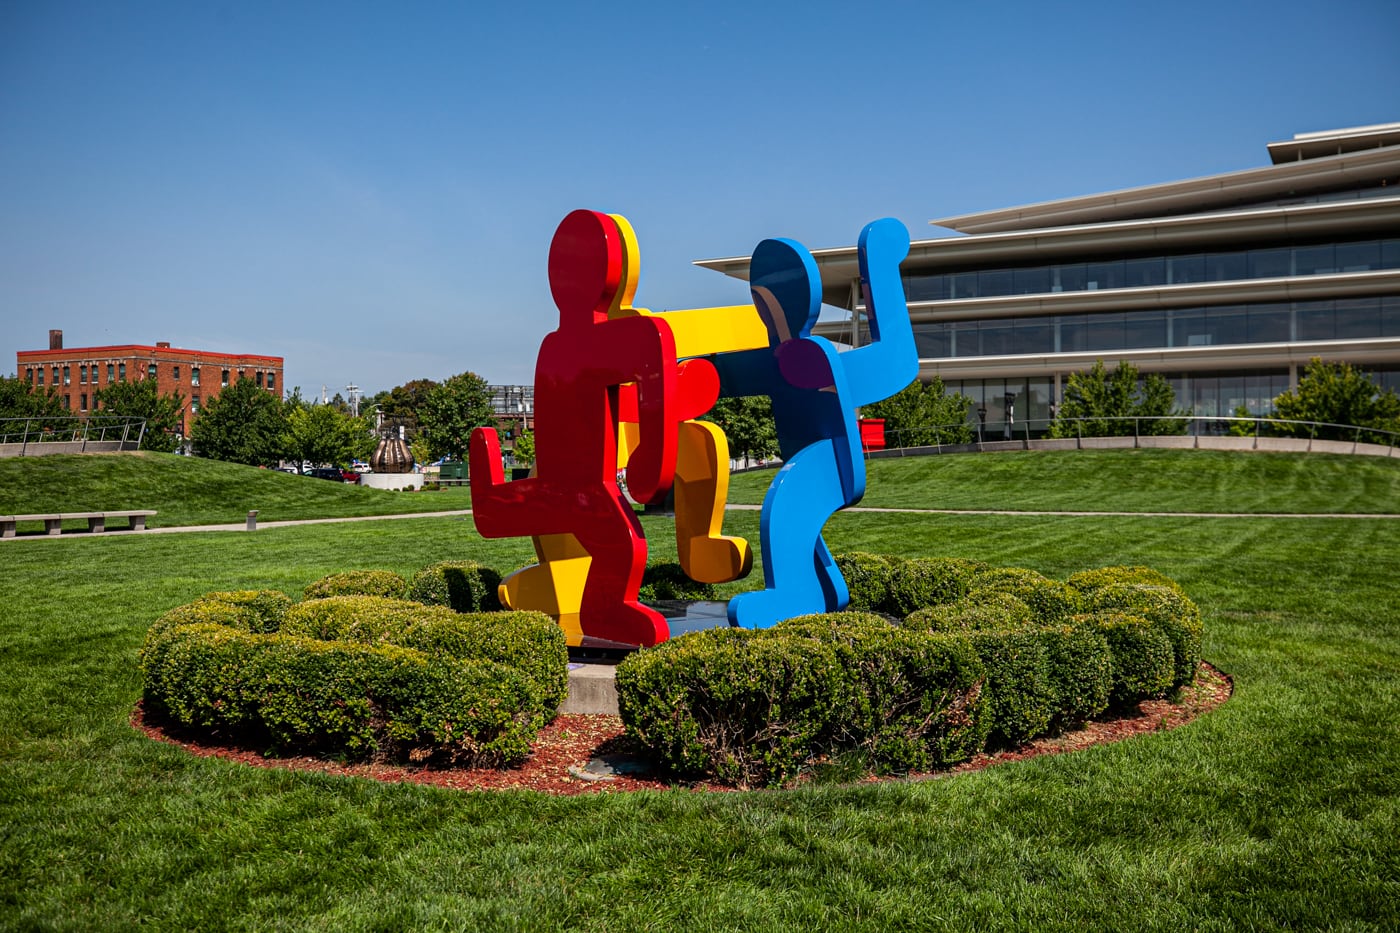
{"x":197,"y":375}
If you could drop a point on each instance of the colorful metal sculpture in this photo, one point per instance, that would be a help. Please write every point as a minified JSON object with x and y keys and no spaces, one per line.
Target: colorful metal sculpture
{"x":815,"y":393}
{"x":574,"y":491}
{"x":614,"y":389}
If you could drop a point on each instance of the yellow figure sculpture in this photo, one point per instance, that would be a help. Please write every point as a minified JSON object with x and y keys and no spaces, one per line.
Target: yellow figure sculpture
{"x":554,"y":585}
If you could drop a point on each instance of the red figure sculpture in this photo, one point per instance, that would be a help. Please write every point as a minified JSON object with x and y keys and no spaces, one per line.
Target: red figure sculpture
{"x":577,"y":375}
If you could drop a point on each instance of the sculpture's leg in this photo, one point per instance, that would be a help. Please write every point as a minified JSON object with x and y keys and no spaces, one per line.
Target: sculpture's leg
{"x":612,"y":537}
{"x":553,"y":586}
{"x":798,"y":572}
{"x":701,"y":487}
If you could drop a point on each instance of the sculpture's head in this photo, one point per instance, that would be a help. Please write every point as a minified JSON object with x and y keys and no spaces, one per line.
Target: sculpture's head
{"x":786,"y":289}
{"x":593,"y":262}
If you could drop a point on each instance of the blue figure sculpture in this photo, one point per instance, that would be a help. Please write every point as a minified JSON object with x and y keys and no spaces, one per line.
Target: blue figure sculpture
{"x":815,"y":393}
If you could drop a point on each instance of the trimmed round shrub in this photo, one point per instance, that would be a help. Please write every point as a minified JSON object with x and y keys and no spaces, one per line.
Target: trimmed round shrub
{"x":1142,"y":656}
{"x":928,"y":581}
{"x":867,"y":578}
{"x":1168,"y":610}
{"x":389,"y":678}
{"x":668,"y":580}
{"x":1022,"y":698}
{"x":463,"y":585}
{"x":1050,"y":600}
{"x":984,"y":611}
{"x":530,"y":642}
{"x":744,"y":706}
{"x":366,"y":619}
{"x":358,"y":583}
{"x":913,"y":700}
{"x":267,"y":606}
{"x":1081,"y":673}
{"x":1086,"y":581}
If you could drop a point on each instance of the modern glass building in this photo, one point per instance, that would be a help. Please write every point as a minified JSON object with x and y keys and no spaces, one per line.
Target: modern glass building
{"x":1226,"y":284}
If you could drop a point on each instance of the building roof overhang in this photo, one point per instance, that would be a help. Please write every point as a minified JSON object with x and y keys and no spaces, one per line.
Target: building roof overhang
{"x":1210,"y":192}
{"x":839,"y":269}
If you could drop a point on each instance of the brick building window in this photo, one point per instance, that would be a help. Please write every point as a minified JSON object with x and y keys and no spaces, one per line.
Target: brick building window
{"x":258,"y":378}
{"x":82,"y":374}
{"x":41,"y":375}
{"x":109,"y":373}
{"x":272,"y":382}
{"x":194,"y":404}
{"x":67,"y":402}
{"x":151,"y":371}
{"x":67,"y":375}
{"x":82,"y":402}
{"x":29,"y":374}
{"x":225,"y":380}
{"x":194,"y":375}
{"x":175,"y":372}
{"x":121,"y":371}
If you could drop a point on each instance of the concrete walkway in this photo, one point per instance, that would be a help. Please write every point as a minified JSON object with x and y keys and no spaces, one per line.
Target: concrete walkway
{"x":458,"y":513}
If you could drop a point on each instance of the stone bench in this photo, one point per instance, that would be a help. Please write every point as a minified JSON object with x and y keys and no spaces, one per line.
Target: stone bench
{"x":97,"y":521}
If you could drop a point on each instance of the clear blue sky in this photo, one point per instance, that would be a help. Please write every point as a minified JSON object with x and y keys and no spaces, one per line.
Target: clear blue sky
{"x":369,"y":189}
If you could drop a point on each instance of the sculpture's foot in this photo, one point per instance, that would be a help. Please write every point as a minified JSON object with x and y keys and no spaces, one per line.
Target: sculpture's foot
{"x":717,"y":559}
{"x":628,"y":623}
{"x":766,"y":608}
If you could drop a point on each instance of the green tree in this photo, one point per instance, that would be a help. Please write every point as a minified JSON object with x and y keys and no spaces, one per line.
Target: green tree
{"x":140,"y":399}
{"x":242,"y":424}
{"x":19,"y":399}
{"x":451,"y":410}
{"x":923,"y":414}
{"x":1337,"y":394}
{"x":1098,"y":395}
{"x":523,"y":452}
{"x":748,"y":425}
{"x":402,"y":403}
{"x":324,"y":434}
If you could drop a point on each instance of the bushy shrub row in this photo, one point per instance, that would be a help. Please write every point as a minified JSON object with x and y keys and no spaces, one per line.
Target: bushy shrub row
{"x":999,"y":655}
{"x":359,"y":676}
{"x":759,"y":707}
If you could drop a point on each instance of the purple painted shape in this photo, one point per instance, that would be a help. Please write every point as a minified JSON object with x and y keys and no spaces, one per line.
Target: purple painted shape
{"x":803,"y":365}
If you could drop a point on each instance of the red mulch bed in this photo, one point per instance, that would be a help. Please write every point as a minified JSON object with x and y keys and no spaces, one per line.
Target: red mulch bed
{"x":571,"y":740}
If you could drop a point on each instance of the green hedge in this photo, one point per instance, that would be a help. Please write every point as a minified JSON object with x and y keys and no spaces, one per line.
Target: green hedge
{"x":928,"y":581}
{"x":358,"y":583}
{"x":530,"y":642}
{"x":1142,"y":656}
{"x":760,"y":707}
{"x":867,"y":579}
{"x":359,"y":676}
{"x":1049,"y":600}
{"x":463,"y":585}
{"x":667,"y":580}
{"x":911,"y":700}
{"x":1021,"y":695}
{"x":267,"y":607}
{"x":897,"y":586}
{"x":1086,"y":581}
{"x":1168,"y":610}
{"x":1081,"y":673}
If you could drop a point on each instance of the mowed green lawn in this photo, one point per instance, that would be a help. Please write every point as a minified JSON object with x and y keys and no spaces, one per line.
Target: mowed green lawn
{"x":193,"y":491}
{"x":1279,"y":810}
{"x":1124,"y":481}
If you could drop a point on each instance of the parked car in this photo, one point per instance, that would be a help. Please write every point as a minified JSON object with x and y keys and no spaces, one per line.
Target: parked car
{"x":350,"y":476}
{"x":330,"y":473}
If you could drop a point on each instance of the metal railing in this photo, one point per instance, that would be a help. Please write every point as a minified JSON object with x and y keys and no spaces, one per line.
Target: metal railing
{"x":979,"y":433}
{"x":102,"y":429}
